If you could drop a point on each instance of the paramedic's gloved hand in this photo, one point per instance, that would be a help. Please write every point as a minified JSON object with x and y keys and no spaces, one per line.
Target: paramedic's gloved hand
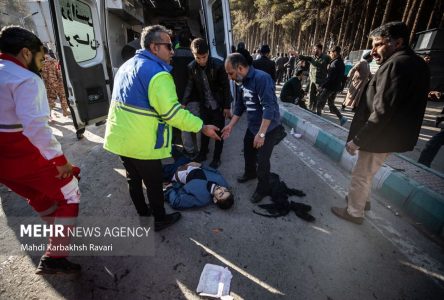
{"x":211,"y":131}
{"x":64,"y":171}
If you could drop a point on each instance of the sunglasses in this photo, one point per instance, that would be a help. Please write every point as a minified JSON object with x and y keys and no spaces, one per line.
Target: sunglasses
{"x":168,"y":45}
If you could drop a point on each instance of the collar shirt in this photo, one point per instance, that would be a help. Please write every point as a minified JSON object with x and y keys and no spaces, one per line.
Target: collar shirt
{"x":258,"y":98}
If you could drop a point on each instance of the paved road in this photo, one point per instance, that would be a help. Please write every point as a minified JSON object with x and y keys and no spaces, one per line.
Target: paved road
{"x":284,"y":258}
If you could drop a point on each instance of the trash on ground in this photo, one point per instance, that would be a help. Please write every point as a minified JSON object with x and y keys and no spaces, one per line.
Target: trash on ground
{"x":214,"y":282}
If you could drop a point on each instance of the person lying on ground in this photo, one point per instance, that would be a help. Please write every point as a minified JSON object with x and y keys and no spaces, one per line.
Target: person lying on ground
{"x":194,"y":185}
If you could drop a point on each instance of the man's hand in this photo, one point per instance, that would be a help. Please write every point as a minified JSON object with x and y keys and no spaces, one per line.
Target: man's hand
{"x":351,"y":148}
{"x":227,"y":113}
{"x":211,"y":131}
{"x":226,"y":131}
{"x":434,"y":95}
{"x":258,"y":141}
{"x":64,"y":171}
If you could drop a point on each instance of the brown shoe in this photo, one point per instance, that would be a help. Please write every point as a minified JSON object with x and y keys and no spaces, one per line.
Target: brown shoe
{"x":367,"y":204}
{"x":343,"y":214}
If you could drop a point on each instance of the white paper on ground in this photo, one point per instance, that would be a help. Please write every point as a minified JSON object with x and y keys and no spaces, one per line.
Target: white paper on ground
{"x":214,"y":281}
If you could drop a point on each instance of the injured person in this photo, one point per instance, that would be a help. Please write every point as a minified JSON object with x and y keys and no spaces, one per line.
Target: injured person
{"x":194,"y":185}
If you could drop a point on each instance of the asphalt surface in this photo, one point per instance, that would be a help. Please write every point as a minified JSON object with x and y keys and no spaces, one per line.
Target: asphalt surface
{"x":283,"y":258}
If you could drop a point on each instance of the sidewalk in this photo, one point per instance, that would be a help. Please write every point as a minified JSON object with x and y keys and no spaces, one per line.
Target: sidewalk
{"x":417,"y":190}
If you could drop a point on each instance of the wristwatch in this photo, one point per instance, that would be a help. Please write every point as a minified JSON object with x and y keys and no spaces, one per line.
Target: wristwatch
{"x":262,"y":135}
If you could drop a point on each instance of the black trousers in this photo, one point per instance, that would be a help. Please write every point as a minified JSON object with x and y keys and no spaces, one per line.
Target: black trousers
{"x":257,"y":161}
{"x":150,"y":172}
{"x":212,"y":117}
{"x":327,"y":96}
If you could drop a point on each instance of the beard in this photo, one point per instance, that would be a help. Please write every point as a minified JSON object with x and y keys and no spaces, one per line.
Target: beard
{"x":33,"y":67}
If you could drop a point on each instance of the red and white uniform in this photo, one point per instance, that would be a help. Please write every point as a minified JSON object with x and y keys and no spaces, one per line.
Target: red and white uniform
{"x":29,"y":152}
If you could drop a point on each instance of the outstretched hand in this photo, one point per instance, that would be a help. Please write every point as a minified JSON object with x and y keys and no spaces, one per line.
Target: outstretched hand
{"x":211,"y":131}
{"x":226,"y":131}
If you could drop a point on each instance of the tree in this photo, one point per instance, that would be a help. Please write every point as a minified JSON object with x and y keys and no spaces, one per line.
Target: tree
{"x":415,"y":24}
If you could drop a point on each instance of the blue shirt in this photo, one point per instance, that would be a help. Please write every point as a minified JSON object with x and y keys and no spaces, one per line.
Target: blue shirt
{"x":258,"y":98}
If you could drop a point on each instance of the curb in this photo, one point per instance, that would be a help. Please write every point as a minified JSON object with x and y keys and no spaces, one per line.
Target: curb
{"x":418,"y":201}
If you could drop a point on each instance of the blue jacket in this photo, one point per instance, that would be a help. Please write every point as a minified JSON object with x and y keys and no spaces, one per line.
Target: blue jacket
{"x":259,"y":100}
{"x":195,"y":192}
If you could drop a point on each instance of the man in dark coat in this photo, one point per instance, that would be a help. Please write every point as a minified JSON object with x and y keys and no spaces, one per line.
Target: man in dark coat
{"x":332,"y":85}
{"x":292,"y":91}
{"x":208,"y":80}
{"x":389,"y":116}
{"x":264,"y":63}
{"x":280,"y":61}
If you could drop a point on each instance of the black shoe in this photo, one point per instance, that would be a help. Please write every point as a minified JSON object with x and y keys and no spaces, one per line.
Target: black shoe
{"x":246,"y":177}
{"x":167,"y":221}
{"x":200,"y":157}
{"x":50,"y":265}
{"x":256,"y":197}
{"x":215,"y":163}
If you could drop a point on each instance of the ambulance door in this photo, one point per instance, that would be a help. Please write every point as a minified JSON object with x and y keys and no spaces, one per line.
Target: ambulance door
{"x":218,"y":27}
{"x":81,"y":50}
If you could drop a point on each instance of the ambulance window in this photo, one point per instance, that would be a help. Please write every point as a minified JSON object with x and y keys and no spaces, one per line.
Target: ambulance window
{"x":79,"y":29}
{"x":219,"y":33}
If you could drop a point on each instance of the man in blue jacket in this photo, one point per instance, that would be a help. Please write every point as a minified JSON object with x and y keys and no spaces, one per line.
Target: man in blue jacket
{"x":264,"y":131}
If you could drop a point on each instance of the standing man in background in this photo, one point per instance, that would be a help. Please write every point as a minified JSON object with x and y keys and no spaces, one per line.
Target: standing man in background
{"x":52,"y":76}
{"x":264,"y":62}
{"x":208,"y":82}
{"x":318,"y":72}
{"x":389,"y":116}
{"x":332,"y":85}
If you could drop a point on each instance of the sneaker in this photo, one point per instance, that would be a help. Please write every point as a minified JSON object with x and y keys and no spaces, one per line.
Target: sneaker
{"x":257,"y":197}
{"x":51,"y":265}
{"x":343,"y":214}
{"x":342,"y":121}
{"x":215,"y":163}
{"x":167,"y":221}
{"x":246,"y":177}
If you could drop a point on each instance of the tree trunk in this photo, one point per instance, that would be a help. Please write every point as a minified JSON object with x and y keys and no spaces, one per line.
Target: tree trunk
{"x":329,"y":20}
{"x":415,"y":24}
{"x":347,"y":24}
{"x":388,"y":8}
{"x":364,"y":28}
{"x":318,"y":17}
{"x":375,"y":18}
{"x":432,"y":14}
{"x":411,"y":15}
{"x":298,"y":43}
{"x":343,"y":21}
{"x":406,"y":11}
{"x":358,"y":31}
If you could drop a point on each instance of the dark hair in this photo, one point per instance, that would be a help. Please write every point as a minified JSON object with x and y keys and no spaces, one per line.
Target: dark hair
{"x":240,"y":45}
{"x":45,"y":49}
{"x":319,"y":46}
{"x":14,"y":38}
{"x":151,"y":34}
{"x":392,"y":30}
{"x":237,"y":59}
{"x":199,"y":46}
{"x":227,"y":203}
{"x":184,"y":38}
{"x":336,"y":49}
{"x":299,"y":72}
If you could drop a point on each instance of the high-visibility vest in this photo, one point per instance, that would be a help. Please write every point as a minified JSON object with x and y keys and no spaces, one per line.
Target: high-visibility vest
{"x":143,"y":108}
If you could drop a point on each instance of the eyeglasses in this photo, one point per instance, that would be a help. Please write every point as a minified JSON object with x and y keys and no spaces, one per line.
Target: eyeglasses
{"x":168,"y":45}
